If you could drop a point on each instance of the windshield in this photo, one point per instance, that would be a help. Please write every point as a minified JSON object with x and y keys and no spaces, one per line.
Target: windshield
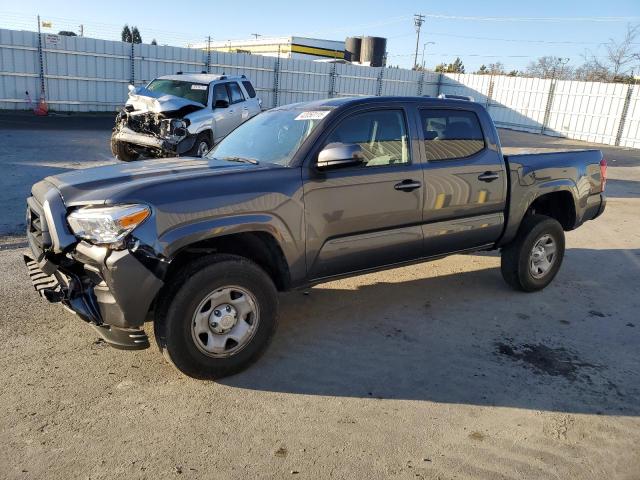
{"x":196,"y":92}
{"x":273,"y":136}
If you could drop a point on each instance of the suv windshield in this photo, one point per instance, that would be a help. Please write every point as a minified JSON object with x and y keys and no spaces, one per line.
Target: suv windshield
{"x":196,"y":92}
{"x":273,"y":136}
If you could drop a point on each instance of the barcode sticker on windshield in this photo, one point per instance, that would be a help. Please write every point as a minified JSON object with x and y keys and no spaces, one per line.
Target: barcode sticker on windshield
{"x":314,"y":115}
{"x":198,"y":87}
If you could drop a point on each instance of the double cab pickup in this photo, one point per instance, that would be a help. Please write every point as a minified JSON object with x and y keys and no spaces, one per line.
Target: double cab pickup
{"x":296,"y":196}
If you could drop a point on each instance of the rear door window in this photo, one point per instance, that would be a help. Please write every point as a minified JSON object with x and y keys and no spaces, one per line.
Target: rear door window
{"x":235,"y":93}
{"x":249,"y":88}
{"x":451,"y":134}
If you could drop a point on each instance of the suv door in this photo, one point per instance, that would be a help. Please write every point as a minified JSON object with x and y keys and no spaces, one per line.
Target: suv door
{"x":238,"y":108}
{"x":368,"y":215}
{"x":223,"y":116}
{"x":465,"y":181}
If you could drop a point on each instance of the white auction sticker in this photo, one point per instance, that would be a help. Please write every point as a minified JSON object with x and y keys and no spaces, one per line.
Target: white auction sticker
{"x":198,"y":87}
{"x":314,"y":115}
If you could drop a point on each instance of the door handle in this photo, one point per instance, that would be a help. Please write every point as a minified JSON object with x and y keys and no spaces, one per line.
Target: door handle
{"x":407,"y":185}
{"x":488,"y":177}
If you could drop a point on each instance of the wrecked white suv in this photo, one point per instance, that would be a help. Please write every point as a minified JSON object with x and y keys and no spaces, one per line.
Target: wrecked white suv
{"x":182,"y":114}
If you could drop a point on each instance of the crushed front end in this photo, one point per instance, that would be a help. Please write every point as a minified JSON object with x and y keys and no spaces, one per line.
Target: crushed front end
{"x":153,"y":134}
{"x":111,"y":287}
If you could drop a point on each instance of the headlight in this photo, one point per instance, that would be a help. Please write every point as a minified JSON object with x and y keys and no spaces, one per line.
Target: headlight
{"x":107,"y":225}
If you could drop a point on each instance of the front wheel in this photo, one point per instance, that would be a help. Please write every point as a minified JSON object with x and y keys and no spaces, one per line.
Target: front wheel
{"x":221,"y":318}
{"x":533,"y":258}
{"x":201,"y":146}
{"x":123,"y":151}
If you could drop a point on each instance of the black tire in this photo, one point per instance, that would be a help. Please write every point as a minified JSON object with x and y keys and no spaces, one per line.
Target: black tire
{"x":515,"y":261}
{"x":123,"y":151}
{"x":188,"y":288}
{"x":202,"y":139}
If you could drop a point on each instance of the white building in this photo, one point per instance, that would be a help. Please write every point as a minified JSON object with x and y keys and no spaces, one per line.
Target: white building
{"x":286,"y":47}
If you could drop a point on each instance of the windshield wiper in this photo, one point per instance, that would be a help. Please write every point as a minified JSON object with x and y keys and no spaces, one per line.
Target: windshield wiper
{"x":253,"y":161}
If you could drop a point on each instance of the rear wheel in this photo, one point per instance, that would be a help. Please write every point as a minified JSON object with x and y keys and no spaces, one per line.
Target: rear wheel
{"x":123,"y":151}
{"x":533,"y":259}
{"x":221,"y":318}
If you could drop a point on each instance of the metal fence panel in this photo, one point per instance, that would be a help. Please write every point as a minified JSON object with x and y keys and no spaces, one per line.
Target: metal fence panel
{"x":519,"y":103}
{"x":301,"y":81}
{"x":589,"y":111}
{"x":630,"y":134}
{"x":356,"y":81}
{"x":18,"y":68}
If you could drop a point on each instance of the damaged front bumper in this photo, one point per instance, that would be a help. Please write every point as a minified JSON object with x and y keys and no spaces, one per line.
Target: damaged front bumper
{"x":162,"y":145}
{"x":112,"y":290}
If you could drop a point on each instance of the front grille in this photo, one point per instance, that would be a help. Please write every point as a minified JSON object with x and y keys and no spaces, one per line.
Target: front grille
{"x":37,"y":230}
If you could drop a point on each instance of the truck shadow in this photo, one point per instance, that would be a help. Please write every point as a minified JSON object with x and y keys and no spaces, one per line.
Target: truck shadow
{"x":465,"y":338}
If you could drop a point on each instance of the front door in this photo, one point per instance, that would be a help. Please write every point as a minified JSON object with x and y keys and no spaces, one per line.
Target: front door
{"x":224,"y":120}
{"x":368,"y":215}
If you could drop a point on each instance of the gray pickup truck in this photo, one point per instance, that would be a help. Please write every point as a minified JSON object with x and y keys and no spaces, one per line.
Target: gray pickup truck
{"x":296,"y":196}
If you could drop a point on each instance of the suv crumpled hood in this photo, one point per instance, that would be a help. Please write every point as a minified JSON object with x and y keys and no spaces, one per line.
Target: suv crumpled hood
{"x":112,"y":183}
{"x":146,"y":100}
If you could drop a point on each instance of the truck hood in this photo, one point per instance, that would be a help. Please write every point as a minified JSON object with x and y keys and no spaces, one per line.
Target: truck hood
{"x":113,"y":183}
{"x":145,"y":100}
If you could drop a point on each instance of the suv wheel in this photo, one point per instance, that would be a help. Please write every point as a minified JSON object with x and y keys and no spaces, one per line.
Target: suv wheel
{"x":533,"y":259}
{"x":221,"y":318}
{"x":201,"y":147}
{"x":123,"y":151}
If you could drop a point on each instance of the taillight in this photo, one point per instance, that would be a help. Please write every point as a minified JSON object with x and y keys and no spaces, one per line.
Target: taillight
{"x":603,"y":174}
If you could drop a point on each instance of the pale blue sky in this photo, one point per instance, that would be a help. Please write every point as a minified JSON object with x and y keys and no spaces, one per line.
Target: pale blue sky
{"x":513,"y":42}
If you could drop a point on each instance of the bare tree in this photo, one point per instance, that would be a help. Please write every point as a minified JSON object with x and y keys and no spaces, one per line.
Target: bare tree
{"x":619,"y":61}
{"x":550,"y":67}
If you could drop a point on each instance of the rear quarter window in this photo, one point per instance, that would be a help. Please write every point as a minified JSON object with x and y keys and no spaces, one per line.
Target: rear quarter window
{"x":451,"y":134}
{"x":249,"y":88}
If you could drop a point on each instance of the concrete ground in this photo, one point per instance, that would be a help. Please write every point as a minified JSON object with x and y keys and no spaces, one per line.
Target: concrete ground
{"x":431,"y":371}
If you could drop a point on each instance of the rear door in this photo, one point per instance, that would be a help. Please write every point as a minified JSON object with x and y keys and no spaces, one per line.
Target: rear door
{"x":465,"y":181}
{"x":252,"y":102}
{"x":369,"y":215}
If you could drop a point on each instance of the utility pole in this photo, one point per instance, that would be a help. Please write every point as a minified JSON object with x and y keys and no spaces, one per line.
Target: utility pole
{"x":418,"y":20}
{"x":256,"y":35}
{"x":81,"y":27}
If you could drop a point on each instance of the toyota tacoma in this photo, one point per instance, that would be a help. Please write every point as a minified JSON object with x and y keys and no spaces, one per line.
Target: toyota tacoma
{"x":296,"y":196}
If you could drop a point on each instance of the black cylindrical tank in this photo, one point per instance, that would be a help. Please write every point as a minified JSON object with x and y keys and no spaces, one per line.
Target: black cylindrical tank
{"x":373,"y":50}
{"x":352,"y":46}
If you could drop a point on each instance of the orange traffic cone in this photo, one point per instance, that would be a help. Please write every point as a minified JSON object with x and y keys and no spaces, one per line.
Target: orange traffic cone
{"x":42,"y":109}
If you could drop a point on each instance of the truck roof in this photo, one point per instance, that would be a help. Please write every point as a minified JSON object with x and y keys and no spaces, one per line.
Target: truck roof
{"x":202,"y":77}
{"x":331,"y":103}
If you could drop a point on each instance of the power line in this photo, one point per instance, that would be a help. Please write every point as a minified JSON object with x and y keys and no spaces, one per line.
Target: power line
{"x":514,"y":40}
{"x":533,"y":19}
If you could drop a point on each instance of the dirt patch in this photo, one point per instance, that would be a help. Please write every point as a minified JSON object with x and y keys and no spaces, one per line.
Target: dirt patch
{"x":546,"y":360}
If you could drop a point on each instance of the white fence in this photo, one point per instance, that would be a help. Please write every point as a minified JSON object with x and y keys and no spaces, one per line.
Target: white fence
{"x":84,"y":74}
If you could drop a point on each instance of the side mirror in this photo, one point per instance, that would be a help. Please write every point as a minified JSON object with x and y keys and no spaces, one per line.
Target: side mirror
{"x":340,"y":155}
{"x":221,"y":104}
{"x":131,"y":87}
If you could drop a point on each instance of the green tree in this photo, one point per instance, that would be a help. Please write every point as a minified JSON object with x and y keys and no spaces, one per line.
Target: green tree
{"x":126,"y":34}
{"x":153,"y":42}
{"x":135,"y":35}
{"x":456,"y":67}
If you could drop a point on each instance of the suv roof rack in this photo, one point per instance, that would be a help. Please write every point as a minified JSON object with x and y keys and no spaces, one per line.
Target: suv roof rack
{"x":456,"y":97}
